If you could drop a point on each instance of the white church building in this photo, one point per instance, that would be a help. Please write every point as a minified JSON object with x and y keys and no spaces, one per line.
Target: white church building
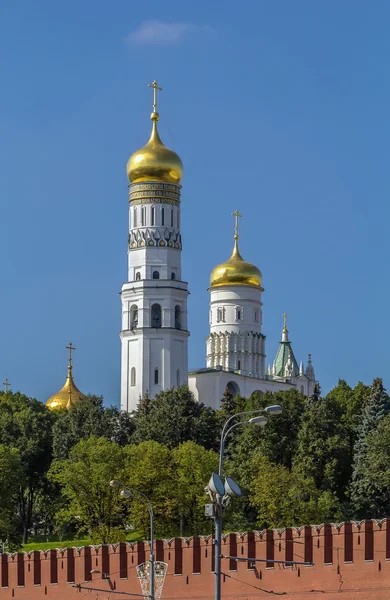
{"x":154,"y":334}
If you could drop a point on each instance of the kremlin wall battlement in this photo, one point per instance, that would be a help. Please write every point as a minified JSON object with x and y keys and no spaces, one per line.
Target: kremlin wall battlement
{"x":351,"y":558}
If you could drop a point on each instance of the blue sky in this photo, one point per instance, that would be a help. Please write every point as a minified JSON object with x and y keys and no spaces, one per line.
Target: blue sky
{"x":278,"y":108}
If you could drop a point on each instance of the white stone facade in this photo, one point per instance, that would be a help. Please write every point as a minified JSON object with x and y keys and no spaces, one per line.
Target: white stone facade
{"x":154,"y":333}
{"x":209,"y":385}
{"x":235,"y":340}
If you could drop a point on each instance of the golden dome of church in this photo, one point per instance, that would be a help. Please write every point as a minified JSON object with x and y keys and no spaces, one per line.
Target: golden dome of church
{"x":154,"y":161}
{"x":68,"y":395}
{"x":236,"y":271}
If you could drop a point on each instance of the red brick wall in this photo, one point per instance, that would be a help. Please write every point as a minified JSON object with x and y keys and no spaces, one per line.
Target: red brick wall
{"x":352,"y":558}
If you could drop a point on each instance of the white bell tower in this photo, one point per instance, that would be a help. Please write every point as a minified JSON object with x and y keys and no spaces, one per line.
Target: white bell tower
{"x":154,"y":332}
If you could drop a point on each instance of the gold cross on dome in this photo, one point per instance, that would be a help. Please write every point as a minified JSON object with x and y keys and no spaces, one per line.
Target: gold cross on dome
{"x":237,"y":215}
{"x":155,"y":88}
{"x":6,"y":384}
{"x":71,"y":348}
{"x":284,"y":322}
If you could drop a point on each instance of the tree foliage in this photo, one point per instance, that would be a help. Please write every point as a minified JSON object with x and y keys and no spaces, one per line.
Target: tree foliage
{"x":323,"y":458}
{"x":174,"y":417}
{"x":84,"y":478}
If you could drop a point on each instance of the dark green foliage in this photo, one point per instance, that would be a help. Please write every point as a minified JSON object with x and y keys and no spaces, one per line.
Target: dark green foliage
{"x":321,"y":459}
{"x":324,"y":451}
{"x":86,"y":418}
{"x":174,"y":417}
{"x":26,"y":425}
{"x":376,"y":408}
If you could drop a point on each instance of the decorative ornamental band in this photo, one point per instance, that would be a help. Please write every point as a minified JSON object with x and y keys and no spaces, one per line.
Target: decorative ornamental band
{"x":157,"y":192}
{"x":158,"y":237}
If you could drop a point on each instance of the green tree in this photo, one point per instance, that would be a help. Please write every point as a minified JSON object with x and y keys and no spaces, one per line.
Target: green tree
{"x":324,"y":450}
{"x":376,"y":470}
{"x":284,"y":498}
{"x":193,"y":465}
{"x":11,"y":476}
{"x":174,"y":417}
{"x":84,"y":478}
{"x":87,"y":418}
{"x":377,"y":406}
{"x":149,"y":469}
{"x":26,"y":424}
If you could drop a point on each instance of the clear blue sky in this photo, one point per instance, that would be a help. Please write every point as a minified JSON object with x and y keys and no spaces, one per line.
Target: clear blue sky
{"x":278,"y":108}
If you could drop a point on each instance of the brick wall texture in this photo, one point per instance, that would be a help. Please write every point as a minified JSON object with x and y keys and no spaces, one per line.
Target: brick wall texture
{"x":352,"y":559}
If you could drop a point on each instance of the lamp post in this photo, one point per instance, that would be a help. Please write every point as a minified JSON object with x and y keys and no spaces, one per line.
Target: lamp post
{"x":130,"y":493}
{"x":259,"y":420}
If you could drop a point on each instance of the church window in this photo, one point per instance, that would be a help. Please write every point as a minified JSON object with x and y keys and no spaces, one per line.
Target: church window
{"x":302,"y":390}
{"x":143,"y":216}
{"x":173,"y":276}
{"x":156,"y":315}
{"x":239,"y":365}
{"x":134,"y":316}
{"x":177,"y":317}
{"x":178,"y":377}
{"x":152,"y":210}
{"x":155,"y":376}
{"x":137,"y":276}
{"x":135,"y":217}
{"x":132,"y":377}
{"x":220,"y":314}
{"x":256,"y":315}
{"x":162,"y":216}
{"x":171,"y":217}
{"x":233,"y":388}
{"x":239,"y":313}
{"x":156,"y":275}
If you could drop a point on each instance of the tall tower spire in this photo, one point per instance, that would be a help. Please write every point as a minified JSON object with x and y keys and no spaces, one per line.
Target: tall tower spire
{"x":154,"y":300}
{"x":285,"y":364}
{"x":235,"y":341}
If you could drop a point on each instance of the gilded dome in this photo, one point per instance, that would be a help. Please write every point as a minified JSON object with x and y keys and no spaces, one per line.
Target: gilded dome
{"x":236,"y":271}
{"x":67,"y":396}
{"x":155,"y":162}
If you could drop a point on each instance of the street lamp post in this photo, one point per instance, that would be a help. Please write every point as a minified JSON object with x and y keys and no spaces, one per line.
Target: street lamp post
{"x":130,"y":493}
{"x":259,"y":420}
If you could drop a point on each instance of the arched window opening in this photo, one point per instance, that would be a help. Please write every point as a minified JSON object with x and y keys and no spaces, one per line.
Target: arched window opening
{"x":156,"y":275}
{"x":239,"y":313}
{"x":137,"y":276}
{"x":178,"y":377}
{"x":133,"y":376}
{"x":177,"y":317}
{"x":173,"y":276}
{"x":221,"y":314}
{"x":162,"y":216}
{"x":152,"y":215}
{"x":134,"y":317}
{"x":256,"y":315}
{"x":302,"y":390}
{"x":239,"y":365}
{"x":156,"y":315}
{"x":135,"y":217}
{"x":143,"y":216}
{"x":155,"y":376}
{"x":171,"y":217}
{"x":233,"y":388}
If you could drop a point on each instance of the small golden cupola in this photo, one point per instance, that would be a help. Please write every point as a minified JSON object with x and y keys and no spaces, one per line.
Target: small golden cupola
{"x":236,"y":271}
{"x":154,"y":161}
{"x":69,"y":395}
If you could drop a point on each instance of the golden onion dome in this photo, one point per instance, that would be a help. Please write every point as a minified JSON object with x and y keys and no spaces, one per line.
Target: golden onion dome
{"x":236,"y":271}
{"x":155,"y":162}
{"x":67,"y":396}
